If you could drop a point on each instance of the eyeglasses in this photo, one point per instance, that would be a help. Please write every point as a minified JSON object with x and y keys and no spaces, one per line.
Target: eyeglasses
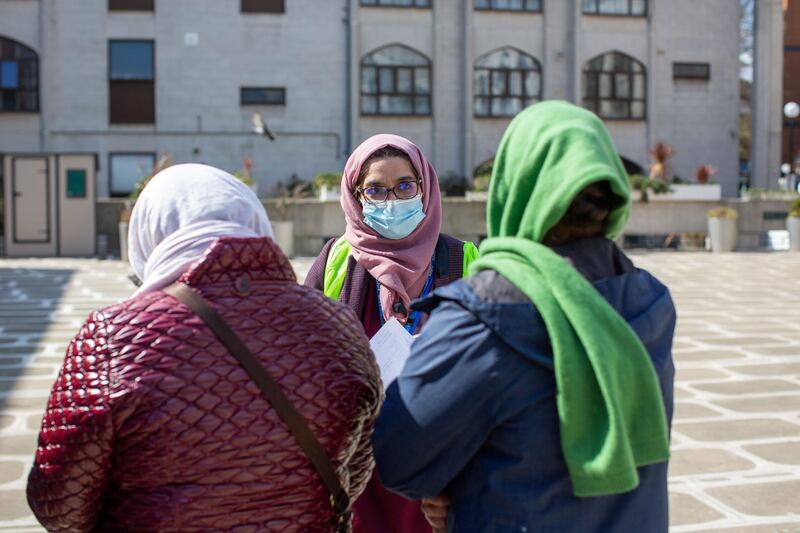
{"x":405,"y":190}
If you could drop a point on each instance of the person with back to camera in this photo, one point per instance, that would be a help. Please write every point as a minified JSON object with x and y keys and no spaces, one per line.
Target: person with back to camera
{"x":540,"y":395}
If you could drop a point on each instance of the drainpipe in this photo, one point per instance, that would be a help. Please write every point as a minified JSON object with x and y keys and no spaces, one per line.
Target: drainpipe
{"x":348,"y":77}
{"x":42,"y":59}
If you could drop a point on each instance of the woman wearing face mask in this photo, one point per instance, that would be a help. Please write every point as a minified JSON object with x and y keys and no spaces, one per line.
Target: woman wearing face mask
{"x":392,"y":252}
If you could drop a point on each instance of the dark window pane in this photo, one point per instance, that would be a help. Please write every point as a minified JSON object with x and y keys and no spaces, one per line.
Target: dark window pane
{"x":369,"y":80}
{"x":131,"y":60}
{"x":132,"y":102}
{"x":396,"y":105}
{"x":498,"y":83}
{"x":695,"y":71}
{"x":263,"y":96}
{"x":9,"y":102}
{"x":263,"y":6}
{"x":404,"y":85}
{"x":127,"y":169}
{"x":422,"y":105}
{"x":369,"y":105}
{"x":386,"y":80}
{"x":130,"y":5}
{"x":482,"y":82}
{"x":482,"y":107}
{"x":9,"y":75}
{"x":422,"y":81}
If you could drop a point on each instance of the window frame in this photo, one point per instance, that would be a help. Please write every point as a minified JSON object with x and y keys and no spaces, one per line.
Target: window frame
{"x":509,"y":9}
{"x":507,"y":74}
{"x":248,"y":7}
{"x":111,"y":155}
{"x":378,"y":4}
{"x":413,"y":95}
{"x":112,"y":82}
{"x":21,"y":88}
{"x":629,"y":13}
{"x":113,"y":9}
{"x":614,"y":73}
{"x":242,"y":90}
{"x":690,"y":77}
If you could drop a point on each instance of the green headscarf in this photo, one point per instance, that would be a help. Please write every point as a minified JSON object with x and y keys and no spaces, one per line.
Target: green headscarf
{"x":609,"y":401}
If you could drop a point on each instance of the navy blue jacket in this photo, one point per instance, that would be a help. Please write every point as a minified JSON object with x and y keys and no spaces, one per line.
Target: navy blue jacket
{"x":474,"y":410}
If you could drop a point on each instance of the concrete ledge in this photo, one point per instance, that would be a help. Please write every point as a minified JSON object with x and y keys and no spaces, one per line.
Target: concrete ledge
{"x":316,"y":221}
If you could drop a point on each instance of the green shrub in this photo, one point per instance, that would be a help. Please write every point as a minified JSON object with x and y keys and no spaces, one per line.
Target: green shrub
{"x":794,"y":208}
{"x":727,"y":213}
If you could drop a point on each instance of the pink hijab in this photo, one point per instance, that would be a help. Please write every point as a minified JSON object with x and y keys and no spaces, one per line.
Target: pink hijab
{"x":401,"y":266}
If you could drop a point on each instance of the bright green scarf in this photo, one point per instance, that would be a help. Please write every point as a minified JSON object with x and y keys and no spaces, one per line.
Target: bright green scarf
{"x":609,"y":402}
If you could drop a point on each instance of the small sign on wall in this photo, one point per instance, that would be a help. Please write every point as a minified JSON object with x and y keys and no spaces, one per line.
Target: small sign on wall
{"x":76,"y":183}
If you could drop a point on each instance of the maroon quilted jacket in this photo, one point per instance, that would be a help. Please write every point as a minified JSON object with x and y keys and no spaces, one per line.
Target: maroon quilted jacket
{"x":153,"y":426}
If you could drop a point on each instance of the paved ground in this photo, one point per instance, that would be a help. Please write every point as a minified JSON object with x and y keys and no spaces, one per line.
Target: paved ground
{"x":736,"y":439}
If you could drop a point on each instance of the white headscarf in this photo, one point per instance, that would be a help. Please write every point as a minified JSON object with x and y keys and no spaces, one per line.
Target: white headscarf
{"x":180,"y":213}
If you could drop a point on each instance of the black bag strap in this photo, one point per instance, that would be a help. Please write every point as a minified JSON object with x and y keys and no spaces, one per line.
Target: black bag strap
{"x":274,"y":395}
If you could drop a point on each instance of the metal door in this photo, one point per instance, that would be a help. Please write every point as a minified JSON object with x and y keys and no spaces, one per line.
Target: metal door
{"x":30,"y":202}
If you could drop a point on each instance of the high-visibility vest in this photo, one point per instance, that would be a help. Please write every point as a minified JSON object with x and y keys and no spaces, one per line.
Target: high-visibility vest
{"x":336,"y":266}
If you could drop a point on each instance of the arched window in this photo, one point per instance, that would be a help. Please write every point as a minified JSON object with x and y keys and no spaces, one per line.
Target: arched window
{"x":623,"y":8}
{"x":395,"y":80}
{"x":19,"y":77}
{"x":506,"y":81}
{"x":614,"y":87}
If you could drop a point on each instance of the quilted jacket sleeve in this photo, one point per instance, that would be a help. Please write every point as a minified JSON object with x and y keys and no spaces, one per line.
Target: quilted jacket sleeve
{"x":67,"y":484}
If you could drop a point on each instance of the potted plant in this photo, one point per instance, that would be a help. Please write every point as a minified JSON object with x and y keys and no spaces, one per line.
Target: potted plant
{"x":125,"y":215}
{"x":642,"y":187}
{"x":722,"y":229}
{"x":793,"y":225}
{"x":481,"y":181}
{"x":328,"y":185}
{"x":245,"y":175}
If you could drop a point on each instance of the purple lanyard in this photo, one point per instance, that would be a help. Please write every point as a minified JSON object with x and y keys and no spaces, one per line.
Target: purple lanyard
{"x":414,"y":316}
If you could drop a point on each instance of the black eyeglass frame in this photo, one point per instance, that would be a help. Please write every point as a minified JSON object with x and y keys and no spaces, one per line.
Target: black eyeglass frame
{"x":389,"y":190}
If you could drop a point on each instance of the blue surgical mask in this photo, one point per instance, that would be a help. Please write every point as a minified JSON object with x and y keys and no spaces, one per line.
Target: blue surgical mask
{"x":395,"y":219}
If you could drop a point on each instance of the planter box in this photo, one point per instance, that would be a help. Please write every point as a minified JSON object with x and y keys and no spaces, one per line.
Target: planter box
{"x":723,"y":233}
{"x":477,"y":196}
{"x":793,"y":225}
{"x":123,"y":241}
{"x":284,"y":236}
{"x":690,"y":193}
{"x":329,"y":193}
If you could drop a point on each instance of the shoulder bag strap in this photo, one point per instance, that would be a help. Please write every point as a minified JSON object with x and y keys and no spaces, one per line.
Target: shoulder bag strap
{"x":272,"y":392}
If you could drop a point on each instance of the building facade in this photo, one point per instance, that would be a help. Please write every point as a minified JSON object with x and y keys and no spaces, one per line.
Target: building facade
{"x":130,"y":79}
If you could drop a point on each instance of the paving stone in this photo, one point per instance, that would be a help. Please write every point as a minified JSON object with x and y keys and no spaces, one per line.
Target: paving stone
{"x":737,"y":430}
{"x":779,"y":351}
{"x":41,"y":385}
{"x":760,"y":386}
{"x":15,"y":505}
{"x":778,"y":369}
{"x":696,"y":374}
{"x":11,"y":361}
{"x":787,"y":453}
{"x":11,"y":471}
{"x":23,"y":402}
{"x":30,"y":371}
{"x":707,"y":355}
{"x":686,"y":509}
{"x":6,"y":421}
{"x":770,"y":528}
{"x":740,"y":341}
{"x":18,"y":445}
{"x":706,"y":461}
{"x":761,"y":499}
{"x":770,"y":404}
{"x":685,"y":410}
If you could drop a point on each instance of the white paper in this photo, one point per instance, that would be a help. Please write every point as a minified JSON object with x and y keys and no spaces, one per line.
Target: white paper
{"x":392,"y":346}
